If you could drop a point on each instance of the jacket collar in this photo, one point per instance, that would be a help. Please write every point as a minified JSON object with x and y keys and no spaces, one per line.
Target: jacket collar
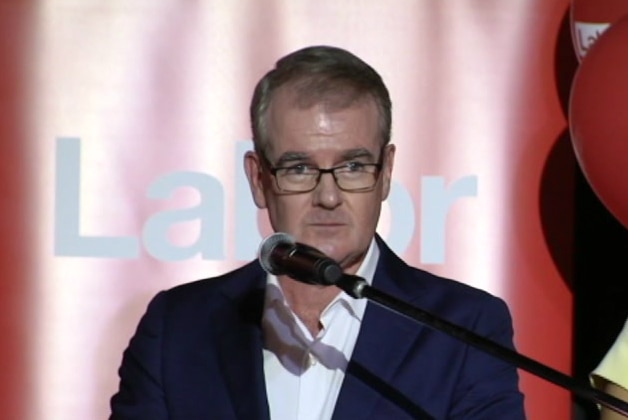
{"x":372,"y":364}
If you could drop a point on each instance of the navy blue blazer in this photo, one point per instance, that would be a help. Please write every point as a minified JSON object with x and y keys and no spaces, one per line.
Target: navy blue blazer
{"x":197,"y":353}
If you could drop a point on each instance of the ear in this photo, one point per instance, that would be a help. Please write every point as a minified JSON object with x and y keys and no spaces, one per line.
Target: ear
{"x":386,"y":174}
{"x":253,"y":169}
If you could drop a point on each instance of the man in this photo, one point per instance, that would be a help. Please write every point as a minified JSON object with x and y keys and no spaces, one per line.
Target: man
{"x":249,"y":345}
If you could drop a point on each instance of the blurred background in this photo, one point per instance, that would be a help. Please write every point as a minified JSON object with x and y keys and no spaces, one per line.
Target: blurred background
{"x":123,"y":125}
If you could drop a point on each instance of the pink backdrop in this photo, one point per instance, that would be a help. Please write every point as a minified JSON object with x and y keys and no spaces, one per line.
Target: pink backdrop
{"x":123,"y":125}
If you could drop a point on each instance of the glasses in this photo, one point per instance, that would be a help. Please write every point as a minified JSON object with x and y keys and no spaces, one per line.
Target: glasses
{"x":352,"y":176}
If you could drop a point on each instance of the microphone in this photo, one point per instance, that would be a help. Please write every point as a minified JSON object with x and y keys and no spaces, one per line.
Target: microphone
{"x":279,"y":254}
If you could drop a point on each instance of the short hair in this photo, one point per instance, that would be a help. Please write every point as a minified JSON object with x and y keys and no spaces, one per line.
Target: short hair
{"x":320,"y":73}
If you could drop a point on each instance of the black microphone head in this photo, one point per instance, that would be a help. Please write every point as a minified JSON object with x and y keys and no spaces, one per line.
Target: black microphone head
{"x":279,"y":254}
{"x":267,"y":247}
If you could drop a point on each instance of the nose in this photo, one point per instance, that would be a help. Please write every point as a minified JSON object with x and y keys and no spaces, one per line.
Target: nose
{"x":327,"y":194}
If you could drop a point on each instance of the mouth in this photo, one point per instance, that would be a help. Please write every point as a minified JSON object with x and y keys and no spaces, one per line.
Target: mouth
{"x":328,"y":224}
{"x":327,"y":227}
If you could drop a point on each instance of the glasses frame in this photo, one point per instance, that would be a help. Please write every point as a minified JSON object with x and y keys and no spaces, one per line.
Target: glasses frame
{"x":378,"y":169}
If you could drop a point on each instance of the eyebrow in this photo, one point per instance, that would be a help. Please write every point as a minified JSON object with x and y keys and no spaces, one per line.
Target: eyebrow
{"x":357,"y":153}
{"x":291,"y":157}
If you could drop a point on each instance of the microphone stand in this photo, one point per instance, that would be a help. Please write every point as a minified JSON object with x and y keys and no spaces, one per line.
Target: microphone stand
{"x":358,"y":288}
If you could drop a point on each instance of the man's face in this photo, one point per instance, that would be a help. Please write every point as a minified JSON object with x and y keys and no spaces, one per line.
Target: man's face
{"x":340,"y":224}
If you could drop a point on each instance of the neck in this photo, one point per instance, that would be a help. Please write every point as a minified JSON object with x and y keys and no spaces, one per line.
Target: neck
{"x":308,"y":301}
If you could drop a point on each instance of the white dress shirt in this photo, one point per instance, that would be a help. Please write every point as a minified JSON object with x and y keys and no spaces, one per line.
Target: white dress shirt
{"x":304,"y":373}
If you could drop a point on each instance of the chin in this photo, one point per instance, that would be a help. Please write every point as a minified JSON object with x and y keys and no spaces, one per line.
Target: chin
{"x":337,"y":252}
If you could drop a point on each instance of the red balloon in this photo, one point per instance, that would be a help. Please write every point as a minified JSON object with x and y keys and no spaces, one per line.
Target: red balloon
{"x":590,"y":18}
{"x":598,"y":118}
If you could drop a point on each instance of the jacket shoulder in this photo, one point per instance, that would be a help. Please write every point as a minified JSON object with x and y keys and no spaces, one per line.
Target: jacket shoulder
{"x":244,"y":278}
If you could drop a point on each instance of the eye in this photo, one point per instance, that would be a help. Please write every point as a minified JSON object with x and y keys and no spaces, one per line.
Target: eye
{"x":301,"y":169}
{"x":354,"y":166}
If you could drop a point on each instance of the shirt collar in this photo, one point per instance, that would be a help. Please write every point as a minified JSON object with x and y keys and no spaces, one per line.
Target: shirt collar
{"x":366,"y":270}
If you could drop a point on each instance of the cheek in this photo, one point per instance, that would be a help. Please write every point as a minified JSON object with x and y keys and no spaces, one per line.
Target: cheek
{"x":366,"y":211}
{"x":285,"y":212}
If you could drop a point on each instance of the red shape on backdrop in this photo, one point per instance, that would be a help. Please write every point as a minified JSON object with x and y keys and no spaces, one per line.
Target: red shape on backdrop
{"x":590,"y":18}
{"x":598,"y":117}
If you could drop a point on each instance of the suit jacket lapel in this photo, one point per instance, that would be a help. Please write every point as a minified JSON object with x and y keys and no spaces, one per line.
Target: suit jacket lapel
{"x":384,"y":340}
{"x":240,"y":350}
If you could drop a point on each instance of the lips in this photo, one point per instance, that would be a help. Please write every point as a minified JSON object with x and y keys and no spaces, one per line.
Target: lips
{"x":327,"y":225}
{"x":327,"y":221}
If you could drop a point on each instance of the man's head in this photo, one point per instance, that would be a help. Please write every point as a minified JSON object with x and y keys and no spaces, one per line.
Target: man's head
{"x":322,"y":163}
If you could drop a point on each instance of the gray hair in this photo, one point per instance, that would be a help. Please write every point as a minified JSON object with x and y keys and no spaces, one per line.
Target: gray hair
{"x":320,"y":73}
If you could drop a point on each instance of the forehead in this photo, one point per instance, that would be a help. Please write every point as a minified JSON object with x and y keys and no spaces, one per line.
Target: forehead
{"x":332,"y":122}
